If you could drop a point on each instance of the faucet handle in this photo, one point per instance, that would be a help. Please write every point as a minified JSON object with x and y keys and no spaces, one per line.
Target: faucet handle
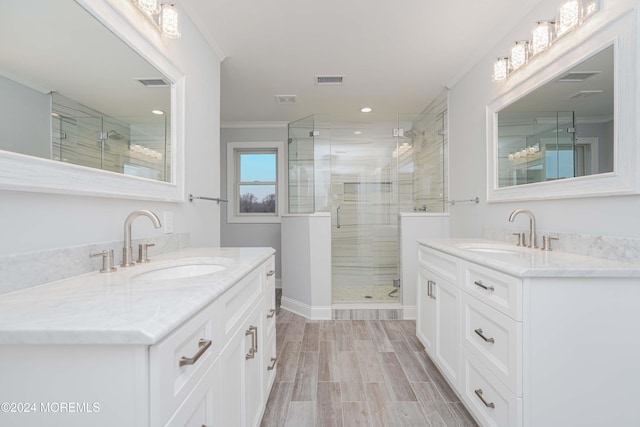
{"x":546,"y":243}
{"x":521,"y":239}
{"x":107,"y":261}
{"x":142,"y":252}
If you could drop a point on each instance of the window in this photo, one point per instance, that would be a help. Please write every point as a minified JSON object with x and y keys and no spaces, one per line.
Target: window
{"x":254,"y":182}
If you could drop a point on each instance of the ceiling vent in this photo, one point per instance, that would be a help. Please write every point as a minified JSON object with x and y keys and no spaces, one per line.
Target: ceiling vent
{"x":577,"y":76}
{"x":155,"y":82}
{"x":286,"y":99}
{"x":323,"y":80}
{"x":584,"y":93}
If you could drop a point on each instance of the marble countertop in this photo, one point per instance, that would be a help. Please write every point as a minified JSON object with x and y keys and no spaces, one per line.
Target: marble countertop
{"x":117,"y":308}
{"x":526,"y":262}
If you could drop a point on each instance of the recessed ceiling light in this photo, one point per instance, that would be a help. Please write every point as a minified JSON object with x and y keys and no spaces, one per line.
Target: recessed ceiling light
{"x":358,"y":132}
{"x":158,"y":112}
{"x":366,"y":109}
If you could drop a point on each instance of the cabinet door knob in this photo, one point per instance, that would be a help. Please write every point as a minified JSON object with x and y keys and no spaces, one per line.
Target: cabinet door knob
{"x":204,"y":345}
{"x":270,"y":273}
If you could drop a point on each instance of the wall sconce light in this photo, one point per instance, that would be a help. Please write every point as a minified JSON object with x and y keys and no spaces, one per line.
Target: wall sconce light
{"x":568,"y":16}
{"x":163,"y":15}
{"x":519,"y":54}
{"x":571,"y":14}
{"x":501,"y":68}
{"x":541,"y":36}
{"x":145,"y":151}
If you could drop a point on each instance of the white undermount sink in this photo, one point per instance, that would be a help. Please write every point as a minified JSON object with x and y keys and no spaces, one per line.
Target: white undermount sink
{"x":180,"y":272}
{"x":490,"y":248}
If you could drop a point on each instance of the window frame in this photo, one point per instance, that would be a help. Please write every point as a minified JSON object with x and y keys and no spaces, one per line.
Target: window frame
{"x":234,"y":149}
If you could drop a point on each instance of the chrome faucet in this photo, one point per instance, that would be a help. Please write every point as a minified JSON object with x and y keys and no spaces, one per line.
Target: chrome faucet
{"x":532,"y":225}
{"x":127,"y":250}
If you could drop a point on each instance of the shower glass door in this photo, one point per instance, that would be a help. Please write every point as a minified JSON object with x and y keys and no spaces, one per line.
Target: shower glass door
{"x":364,"y":206}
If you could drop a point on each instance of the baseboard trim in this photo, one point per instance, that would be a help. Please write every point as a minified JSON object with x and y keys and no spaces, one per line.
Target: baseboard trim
{"x":305,"y":310}
{"x":409,"y":312}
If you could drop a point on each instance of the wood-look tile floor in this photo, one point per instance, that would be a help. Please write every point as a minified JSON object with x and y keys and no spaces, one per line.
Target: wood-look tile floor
{"x":350,"y":373}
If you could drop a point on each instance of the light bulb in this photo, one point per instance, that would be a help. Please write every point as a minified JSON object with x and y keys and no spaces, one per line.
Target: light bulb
{"x":150,"y":7}
{"x":500,"y":69}
{"x":568,"y":16}
{"x":519,"y":54}
{"x":541,"y":36}
{"x":169,"y":21}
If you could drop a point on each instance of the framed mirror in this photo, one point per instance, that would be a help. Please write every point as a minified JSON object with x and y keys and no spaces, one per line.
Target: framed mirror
{"x":562,"y":128}
{"x":89,"y":105}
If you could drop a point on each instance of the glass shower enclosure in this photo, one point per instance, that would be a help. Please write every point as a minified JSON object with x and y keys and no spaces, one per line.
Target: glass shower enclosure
{"x":364,"y":170}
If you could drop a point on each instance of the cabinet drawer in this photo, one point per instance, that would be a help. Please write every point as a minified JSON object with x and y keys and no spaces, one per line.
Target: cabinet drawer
{"x":269,"y":320}
{"x":495,"y":339}
{"x":500,"y":291}
{"x":236,"y":302}
{"x":179,"y":361}
{"x":271,"y":272}
{"x":487,"y":398}
{"x":269,"y":362}
{"x":438,"y":262}
{"x":199,"y":409}
{"x":269,"y":313}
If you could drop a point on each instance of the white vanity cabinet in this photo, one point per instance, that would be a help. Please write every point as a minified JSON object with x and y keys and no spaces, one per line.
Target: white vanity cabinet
{"x":248,"y":340}
{"x":210,"y":370}
{"x":438,"y":317}
{"x":543,"y":339}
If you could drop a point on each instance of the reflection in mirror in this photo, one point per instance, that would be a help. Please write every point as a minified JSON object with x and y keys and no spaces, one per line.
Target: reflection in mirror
{"x":72,"y":91}
{"x":562,"y":129}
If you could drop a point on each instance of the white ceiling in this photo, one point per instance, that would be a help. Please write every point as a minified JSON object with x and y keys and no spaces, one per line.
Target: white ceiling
{"x":58,"y":46}
{"x":396,"y":56}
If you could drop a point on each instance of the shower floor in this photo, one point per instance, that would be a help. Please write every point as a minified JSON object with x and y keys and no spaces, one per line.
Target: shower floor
{"x":342,"y":293}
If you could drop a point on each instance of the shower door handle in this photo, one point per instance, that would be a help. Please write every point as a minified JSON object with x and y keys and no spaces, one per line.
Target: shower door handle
{"x":338,"y":217}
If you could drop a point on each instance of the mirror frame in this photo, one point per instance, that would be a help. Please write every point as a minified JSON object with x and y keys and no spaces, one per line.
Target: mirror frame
{"x":597,"y":34}
{"x":19,"y":172}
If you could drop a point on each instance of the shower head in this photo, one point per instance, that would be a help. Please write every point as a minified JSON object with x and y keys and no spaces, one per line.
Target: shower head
{"x":114,"y":135}
{"x":412,"y":133}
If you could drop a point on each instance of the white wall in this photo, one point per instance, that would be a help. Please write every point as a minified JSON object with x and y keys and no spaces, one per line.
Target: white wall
{"x":29,"y":114}
{"x":612,"y":216}
{"x":267,"y":235}
{"x":38,"y":221}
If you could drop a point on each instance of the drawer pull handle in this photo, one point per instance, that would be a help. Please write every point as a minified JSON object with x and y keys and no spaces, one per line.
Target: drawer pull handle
{"x":487,"y":404}
{"x":488,"y":288}
{"x":253,"y":331}
{"x":272,"y":313}
{"x":270,"y":273}
{"x":252,"y":351}
{"x":479,"y":332}
{"x":273,"y":364}
{"x":204,"y":345}
{"x":430,"y":285}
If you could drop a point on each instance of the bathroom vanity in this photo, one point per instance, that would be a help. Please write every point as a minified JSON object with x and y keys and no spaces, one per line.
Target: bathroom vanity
{"x":532,"y":338}
{"x":187,"y":339}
